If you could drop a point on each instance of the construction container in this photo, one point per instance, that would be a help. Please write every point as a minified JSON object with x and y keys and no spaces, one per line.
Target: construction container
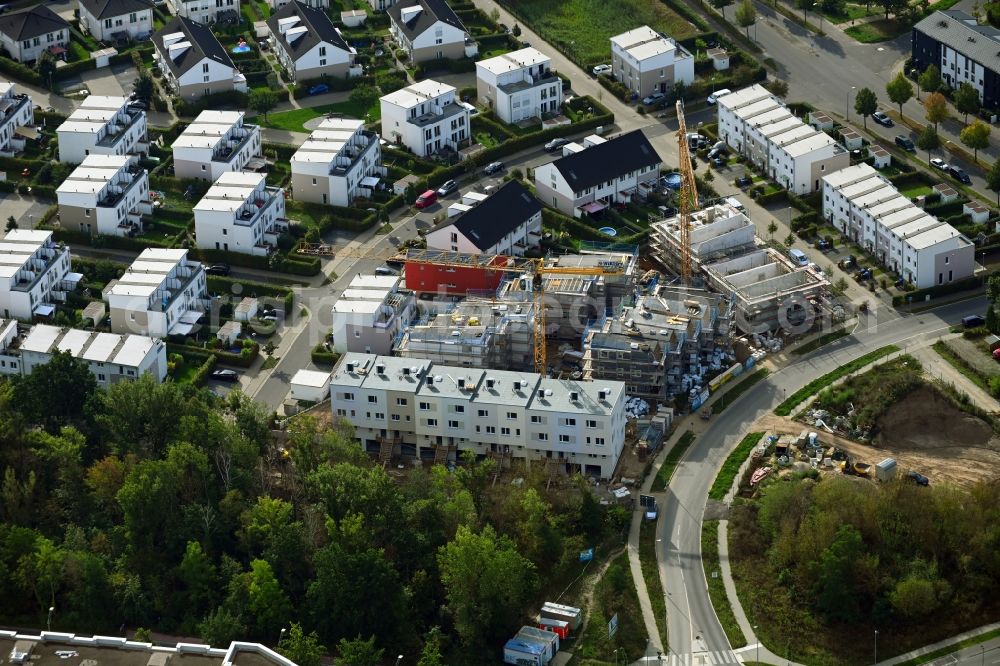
{"x":524,"y":653}
{"x":566,"y":613}
{"x":549,"y":638}
{"x":886,"y":470}
{"x":560,"y":627}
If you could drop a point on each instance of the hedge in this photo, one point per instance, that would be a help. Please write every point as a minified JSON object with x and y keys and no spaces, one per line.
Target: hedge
{"x":20,"y":72}
{"x":219,"y":355}
{"x":455,"y":66}
{"x":73,"y":236}
{"x":320,"y":355}
{"x":918,"y":295}
{"x":336,"y":83}
{"x":228,"y":99}
{"x":204,"y":370}
{"x":209,"y":256}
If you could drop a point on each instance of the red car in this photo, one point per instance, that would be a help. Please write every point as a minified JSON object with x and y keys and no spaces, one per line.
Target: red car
{"x":426,"y":199}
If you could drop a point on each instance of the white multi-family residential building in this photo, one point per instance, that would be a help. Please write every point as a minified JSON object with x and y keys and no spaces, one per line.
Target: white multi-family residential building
{"x":102,"y":125}
{"x":34,"y":274}
{"x":427,"y":411}
{"x":339,"y":162}
{"x":308,"y":45}
{"x":925,"y":251}
{"x":193,"y":61}
{"x":17,"y":119}
{"x":963,"y":49}
{"x":162,"y":293}
{"x":275,"y":5}
{"x":25,"y":33}
{"x":429,"y":30}
{"x":115,"y":20}
{"x":106,"y":194}
{"x":206,"y":11}
{"x":598,"y":173}
{"x":217,"y":142}
{"x":646,"y":62}
{"x":756,"y":124}
{"x":381,"y":5}
{"x":426,"y":117}
{"x":519,"y":85}
{"x":507,"y":222}
{"x":240,"y":213}
{"x":371,"y":313}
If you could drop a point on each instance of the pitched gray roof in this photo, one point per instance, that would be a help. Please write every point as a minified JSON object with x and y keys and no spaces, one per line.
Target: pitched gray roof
{"x":501,"y":213}
{"x":320,"y":29}
{"x":433,"y":11}
{"x":203,"y":45}
{"x":32,"y":22}
{"x":605,"y":161}
{"x":961,"y":32}
{"x":108,"y":8}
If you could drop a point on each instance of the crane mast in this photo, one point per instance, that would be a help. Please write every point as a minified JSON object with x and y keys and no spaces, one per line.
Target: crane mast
{"x":688,"y":195}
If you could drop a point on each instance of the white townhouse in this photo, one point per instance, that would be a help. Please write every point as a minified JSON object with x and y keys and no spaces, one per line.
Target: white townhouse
{"x":429,"y":30}
{"x":162,"y":293}
{"x":217,"y":142}
{"x":599,"y":173}
{"x":102,"y":125}
{"x":308,"y":45}
{"x":866,"y":207}
{"x":115,"y":20}
{"x":34,"y":273}
{"x":240,"y":213}
{"x":193,"y":61}
{"x":507,"y":222}
{"x":206,"y":11}
{"x":421,"y":410}
{"x":371,"y":313}
{"x":17,"y":119}
{"x":339,"y":162}
{"x":25,"y":33}
{"x":645,"y":61}
{"x":106,"y":194}
{"x":426,"y":117}
{"x":275,"y":5}
{"x":756,"y":124}
{"x":381,"y":5}
{"x":519,"y":85}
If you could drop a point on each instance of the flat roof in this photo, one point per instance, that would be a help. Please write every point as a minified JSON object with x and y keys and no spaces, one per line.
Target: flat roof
{"x":208,"y":129}
{"x":231,"y":191}
{"x":313,"y":378}
{"x":328,"y":140}
{"x":513,"y":61}
{"x":419,"y":92}
{"x":739,"y":98}
{"x":643,"y":42}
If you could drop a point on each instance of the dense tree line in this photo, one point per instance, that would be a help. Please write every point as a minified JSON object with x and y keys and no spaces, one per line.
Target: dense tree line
{"x":166,"y":507}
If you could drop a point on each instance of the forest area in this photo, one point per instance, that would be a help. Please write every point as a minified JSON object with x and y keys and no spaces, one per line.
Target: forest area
{"x":167,"y":508}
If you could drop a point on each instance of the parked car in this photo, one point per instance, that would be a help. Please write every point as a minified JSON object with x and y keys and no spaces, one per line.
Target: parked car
{"x":718,"y":150}
{"x":906,"y":143}
{"x":493,"y":167}
{"x":939,"y":163}
{"x":973,"y":321}
{"x":918,"y":478}
{"x":225,"y":375}
{"x":743,"y":182}
{"x":447,"y":188}
{"x":556,"y":144}
{"x":717,"y":94}
{"x":140,"y":104}
{"x":718,"y":163}
{"x":696,"y":141}
{"x":822,"y":245}
{"x":959,"y":174}
{"x":319,"y":89}
{"x":426,"y":199}
{"x":882,"y":119}
{"x":602,"y":69}
{"x":655,"y":98}
{"x":218,"y":269}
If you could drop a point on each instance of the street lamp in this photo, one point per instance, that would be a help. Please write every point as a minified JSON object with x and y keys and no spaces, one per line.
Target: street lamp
{"x":399,"y":659}
{"x":819,"y":10}
{"x":281,"y":635}
{"x":757,"y":658}
{"x":847,"y":106}
{"x":51,"y":610}
{"x":876,"y":646}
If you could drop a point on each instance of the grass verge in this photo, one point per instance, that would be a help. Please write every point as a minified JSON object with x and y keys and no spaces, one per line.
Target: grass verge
{"x":730,"y":396}
{"x":294,"y":120}
{"x":671,"y":461}
{"x":716,"y":586}
{"x":879,"y":30}
{"x":613,"y":593}
{"x":651,"y":574}
{"x":820,"y":383}
{"x":730,"y":468}
{"x":821,"y":341}
{"x":954,"y":647}
{"x":956,"y":361}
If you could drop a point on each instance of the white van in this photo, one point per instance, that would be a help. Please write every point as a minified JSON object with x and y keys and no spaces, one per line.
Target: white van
{"x":736,"y":203}
{"x":798,"y":257}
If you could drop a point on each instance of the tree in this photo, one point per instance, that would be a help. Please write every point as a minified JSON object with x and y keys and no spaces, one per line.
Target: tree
{"x":358,"y":652}
{"x":928,"y":140}
{"x":993,"y":179}
{"x":771,"y":228}
{"x":221,"y":627}
{"x":55,"y":394}
{"x":746,"y":16}
{"x":268,"y":602}
{"x":143,"y":86}
{"x":966,"y":100}
{"x":914,"y":597}
{"x":364,"y":95}
{"x":516,"y":30}
{"x":836,"y":593}
{"x":777,"y":86}
{"x":11,"y":223}
{"x":721,"y":5}
{"x":930,"y":80}
{"x":805,"y":6}
{"x":262,"y":101}
{"x":865,"y":104}
{"x":46,"y":66}
{"x":302,"y":648}
{"x":197,"y":574}
{"x":936,"y":108}
{"x":431,"y":654}
{"x":893,"y":6}
{"x":899,"y":90}
{"x":977,"y":137}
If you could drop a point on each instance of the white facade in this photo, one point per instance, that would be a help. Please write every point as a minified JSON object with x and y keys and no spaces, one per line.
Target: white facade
{"x":431,"y":38}
{"x":508,"y":222}
{"x":339,"y":162}
{"x":924,"y":250}
{"x":187,"y":70}
{"x":34,"y":273}
{"x":425,"y":117}
{"x":16,"y":111}
{"x":421,"y":407}
{"x":136,"y":24}
{"x":240,"y":213}
{"x":162,"y":293}
{"x":203,"y":11}
{"x":318,"y":4}
{"x":217,"y":142}
{"x":106,"y":194}
{"x":307,"y":49}
{"x":645,"y":61}
{"x":37,"y":29}
{"x":519,"y":85}
{"x":370,"y":314}
{"x":102,"y":125}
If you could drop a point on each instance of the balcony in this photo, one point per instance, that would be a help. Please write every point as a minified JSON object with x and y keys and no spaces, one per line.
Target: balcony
{"x":351,"y":154}
{"x":249,"y":214}
{"x":120,"y":127}
{"x":233,"y":144}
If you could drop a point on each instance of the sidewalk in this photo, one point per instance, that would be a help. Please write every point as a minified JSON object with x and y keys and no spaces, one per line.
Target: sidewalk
{"x":936,"y":366}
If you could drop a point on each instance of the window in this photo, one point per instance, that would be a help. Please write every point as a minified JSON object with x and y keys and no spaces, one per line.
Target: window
{"x":204,"y":68}
{"x":349,"y":396}
{"x":373,"y":399}
{"x":395,"y":417}
{"x":542,"y":436}
{"x":505,"y":431}
{"x":459,"y":409}
{"x":341,"y":412}
{"x":432,"y":423}
{"x":491,"y":430}
{"x":511,"y":416}
{"x":565,"y":439}
{"x":591,"y":423}
{"x":425,"y":406}
{"x":599,"y":441}
{"x":322,"y":51}
{"x":453,"y":425}
{"x":569,"y":422}
{"x":401,"y":402}
{"x":483,"y":413}
{"x":537,"y":419}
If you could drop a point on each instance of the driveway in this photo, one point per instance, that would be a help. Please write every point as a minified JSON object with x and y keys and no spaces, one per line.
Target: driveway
{"x":104,"y":81}
{"x":26,"y":210}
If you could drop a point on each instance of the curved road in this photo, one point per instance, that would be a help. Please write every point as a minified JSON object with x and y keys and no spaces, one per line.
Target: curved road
{"x":691,"y":620}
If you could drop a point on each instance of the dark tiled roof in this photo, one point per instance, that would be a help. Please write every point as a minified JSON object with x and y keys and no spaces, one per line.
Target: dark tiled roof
{"x":203,"y":45}
{"x":320,"y":29}
{"x":963,"y":33}
{"x":108,"y":8}
{"x":32,"y":22}
{"x":501,"y":213}
{"x":433,"y":11}
{"x":601,"y":163}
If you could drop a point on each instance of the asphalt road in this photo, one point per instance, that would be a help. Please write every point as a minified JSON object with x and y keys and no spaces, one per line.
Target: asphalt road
{"x":984,"y":654}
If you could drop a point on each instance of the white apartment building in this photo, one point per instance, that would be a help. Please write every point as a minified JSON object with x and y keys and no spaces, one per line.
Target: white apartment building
{"x":17,"y":119}
{"x":106,"y":194}
{"x":275,"y":5}
{"x":420,"y":409}
{"x":114,"y":20}
{"x":756,"y":124}
{"x":193,"y":61}
{"x":205,"y":11}
{"x":371,"y":313}
{"x":507,"y":222}
{"x":162,"y":293}
{"x":217,"y":142}
{"x":339,"y":162}
{"x":102,"y":125}
{"x":34,"y":273}
{"x":645,"y":61}
{"x":599,"y":173}
{"x":426,"y":117}
{"x":26,"y":33}
{"x":428,"y":30}
{"x":240,"y":213}
{"x":925,"y":251}
{"x":308,"y":45}
{"x":519,"y":85}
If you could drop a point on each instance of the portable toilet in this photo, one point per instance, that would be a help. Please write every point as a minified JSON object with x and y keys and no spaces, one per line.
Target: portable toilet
{"x":885,"y":470}
{"x":560,"y":627}
{"x":524,"y":653}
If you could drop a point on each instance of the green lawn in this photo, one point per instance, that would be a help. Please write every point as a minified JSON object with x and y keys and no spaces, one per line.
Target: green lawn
{"x":730,"y":468}
{"x":670,"y":463}
{"x":716,"y":585}
{"x":820,"y":383}
{"x":581,"y":28}
{"x":879,"y":30}
{"x":486,"y":140}
{"x":915,"y":190}
{"x":852,"y":12}
{"x":651,"y":574}
{"x":294,"y":120}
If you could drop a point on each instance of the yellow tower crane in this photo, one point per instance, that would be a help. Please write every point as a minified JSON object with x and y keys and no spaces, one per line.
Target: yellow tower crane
{"x":688,"y":196}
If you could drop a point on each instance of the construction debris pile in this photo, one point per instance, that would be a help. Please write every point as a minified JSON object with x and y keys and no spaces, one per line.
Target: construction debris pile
{"x":635,"y":408}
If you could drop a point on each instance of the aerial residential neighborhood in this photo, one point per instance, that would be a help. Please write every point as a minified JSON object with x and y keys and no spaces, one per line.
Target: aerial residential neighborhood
{"x":462,"y":332}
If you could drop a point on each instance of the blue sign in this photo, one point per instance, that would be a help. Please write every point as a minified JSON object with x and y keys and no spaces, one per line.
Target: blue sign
{"x":587,"y":555}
